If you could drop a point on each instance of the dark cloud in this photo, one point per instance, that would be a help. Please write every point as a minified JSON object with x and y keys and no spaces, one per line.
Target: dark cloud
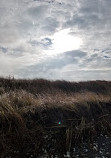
{"x":44,"y":43}
{"x":75,"y":53}
{"x":47,"y":68}
{"x":3,"y":49}
{"x":91,"y":15}
{"x":107,"y":52}
{"x":38,"y":12}
{"x":50,"y":25}
{"x":107,"y":57}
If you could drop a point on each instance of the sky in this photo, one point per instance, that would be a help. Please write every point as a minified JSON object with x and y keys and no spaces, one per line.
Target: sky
{"x":56,"y":39}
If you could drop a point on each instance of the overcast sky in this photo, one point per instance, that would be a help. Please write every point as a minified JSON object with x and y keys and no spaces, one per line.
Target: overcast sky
{"x":56,"y":39}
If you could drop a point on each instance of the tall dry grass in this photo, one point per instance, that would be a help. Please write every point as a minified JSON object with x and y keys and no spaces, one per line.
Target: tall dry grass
{"x":30,"y":120}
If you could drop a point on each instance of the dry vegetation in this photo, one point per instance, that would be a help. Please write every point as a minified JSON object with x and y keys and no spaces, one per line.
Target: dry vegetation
{"x":38,"y":116}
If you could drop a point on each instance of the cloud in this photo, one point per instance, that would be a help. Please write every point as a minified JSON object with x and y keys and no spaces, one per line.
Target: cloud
{"x":3,"y":49}
{"x":75,"y":53}
{"x":92,"y":21}
{"x":106,"y":53}
{"x":27,"y":29}
{"x":52,"y":67}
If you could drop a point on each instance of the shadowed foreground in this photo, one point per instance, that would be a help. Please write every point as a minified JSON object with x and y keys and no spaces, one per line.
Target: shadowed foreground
{"x":41,"y":118}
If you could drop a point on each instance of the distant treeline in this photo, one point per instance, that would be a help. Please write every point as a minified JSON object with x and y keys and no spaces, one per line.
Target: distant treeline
{"x":36,"y":86}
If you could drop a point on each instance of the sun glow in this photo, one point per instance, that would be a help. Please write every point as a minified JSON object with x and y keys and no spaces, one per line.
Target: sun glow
{"x":63,"y":41}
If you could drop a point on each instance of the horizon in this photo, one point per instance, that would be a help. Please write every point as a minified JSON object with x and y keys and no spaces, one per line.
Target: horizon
{"x":50,"y":80}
